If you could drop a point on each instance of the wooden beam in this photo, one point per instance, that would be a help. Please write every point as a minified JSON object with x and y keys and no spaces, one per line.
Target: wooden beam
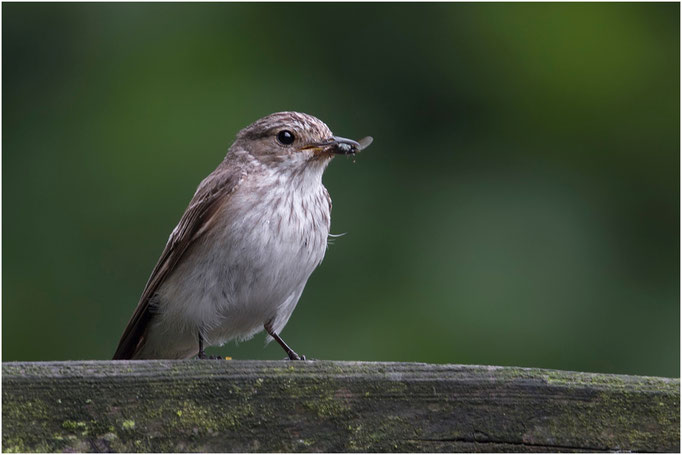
{"x":313,"y":406}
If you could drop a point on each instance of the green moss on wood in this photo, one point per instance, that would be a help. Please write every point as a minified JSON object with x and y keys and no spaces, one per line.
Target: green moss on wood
{"x":161,"y":406}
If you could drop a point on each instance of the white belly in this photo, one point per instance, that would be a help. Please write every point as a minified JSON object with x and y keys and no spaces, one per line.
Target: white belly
{"x":247,"y":270}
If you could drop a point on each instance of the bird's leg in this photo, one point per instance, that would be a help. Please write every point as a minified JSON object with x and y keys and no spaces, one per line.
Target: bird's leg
{"x":290,"y":352}
{"x":202,"y":354}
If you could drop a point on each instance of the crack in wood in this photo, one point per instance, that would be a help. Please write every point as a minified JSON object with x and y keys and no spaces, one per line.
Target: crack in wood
{"x":322,"y":406}
{"x":512,"y":443}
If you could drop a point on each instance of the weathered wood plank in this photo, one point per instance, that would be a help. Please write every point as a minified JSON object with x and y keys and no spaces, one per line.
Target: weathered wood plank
{"x":244,"y":406}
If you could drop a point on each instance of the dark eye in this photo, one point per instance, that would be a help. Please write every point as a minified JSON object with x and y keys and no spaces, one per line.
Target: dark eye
{"x":285,"y":137}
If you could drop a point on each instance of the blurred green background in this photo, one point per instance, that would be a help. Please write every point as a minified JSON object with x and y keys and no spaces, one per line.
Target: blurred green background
{"x":519,"y":206}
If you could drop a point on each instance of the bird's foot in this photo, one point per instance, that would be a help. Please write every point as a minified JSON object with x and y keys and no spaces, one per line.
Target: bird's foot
{"x":293,"y":356}
{"x":202,"y":356}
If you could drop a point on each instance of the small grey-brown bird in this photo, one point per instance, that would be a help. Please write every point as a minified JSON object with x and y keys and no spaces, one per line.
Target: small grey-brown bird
{"x":239,"y":258}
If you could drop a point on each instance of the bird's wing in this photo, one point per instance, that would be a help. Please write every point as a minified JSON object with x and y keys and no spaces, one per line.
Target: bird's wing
{"x":210,"y":195}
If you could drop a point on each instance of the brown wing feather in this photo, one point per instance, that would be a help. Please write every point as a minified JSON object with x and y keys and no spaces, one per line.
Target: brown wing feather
{"x":211,"y":193}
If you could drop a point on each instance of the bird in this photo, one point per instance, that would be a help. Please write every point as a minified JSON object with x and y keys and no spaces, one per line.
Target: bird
{"x":242,"y":252}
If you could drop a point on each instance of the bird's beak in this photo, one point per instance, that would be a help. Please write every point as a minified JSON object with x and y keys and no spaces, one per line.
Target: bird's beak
{"x":341,"y":145}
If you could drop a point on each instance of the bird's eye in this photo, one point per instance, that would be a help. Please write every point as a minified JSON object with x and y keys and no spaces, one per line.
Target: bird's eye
{"x":285,"y":137}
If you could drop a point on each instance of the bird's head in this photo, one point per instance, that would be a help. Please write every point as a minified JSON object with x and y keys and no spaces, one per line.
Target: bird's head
{"x":294,"y":141}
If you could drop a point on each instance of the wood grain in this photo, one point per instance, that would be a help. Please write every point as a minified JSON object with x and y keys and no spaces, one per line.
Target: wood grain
{"x":323,"y":406}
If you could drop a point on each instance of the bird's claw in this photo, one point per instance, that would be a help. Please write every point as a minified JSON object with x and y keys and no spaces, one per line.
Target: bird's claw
{"x":202,"y":356}
{"x":294,"y":356}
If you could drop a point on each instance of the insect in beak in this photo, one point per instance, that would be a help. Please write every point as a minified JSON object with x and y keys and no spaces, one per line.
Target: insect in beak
{"x":342,"y":146}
